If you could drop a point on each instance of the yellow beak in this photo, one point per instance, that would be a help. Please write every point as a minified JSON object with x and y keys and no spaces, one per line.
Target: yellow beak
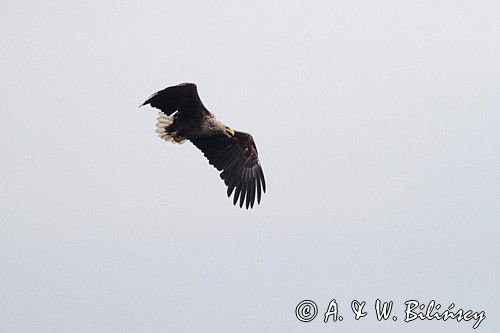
{"x":230,"y":132}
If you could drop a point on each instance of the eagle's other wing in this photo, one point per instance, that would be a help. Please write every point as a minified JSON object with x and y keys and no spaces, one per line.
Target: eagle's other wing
{"x":238,"y":160}
{"x":183,"y":98}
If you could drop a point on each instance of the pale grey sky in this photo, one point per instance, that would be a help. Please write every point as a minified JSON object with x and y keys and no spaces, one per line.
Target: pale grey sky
{"x":378,"y":130}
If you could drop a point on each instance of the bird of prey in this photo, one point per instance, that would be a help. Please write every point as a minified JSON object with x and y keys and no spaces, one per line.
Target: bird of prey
{"x":183,"y":117}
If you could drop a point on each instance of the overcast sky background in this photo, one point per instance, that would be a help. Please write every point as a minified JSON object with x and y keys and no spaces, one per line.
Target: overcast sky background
{"x":377,"y":124}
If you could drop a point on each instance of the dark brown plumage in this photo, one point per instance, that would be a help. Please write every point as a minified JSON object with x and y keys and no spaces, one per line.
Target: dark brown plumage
{"x":231,"y":152}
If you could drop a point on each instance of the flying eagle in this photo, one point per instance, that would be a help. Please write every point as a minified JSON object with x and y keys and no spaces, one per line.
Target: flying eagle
{"x":183,"y":117}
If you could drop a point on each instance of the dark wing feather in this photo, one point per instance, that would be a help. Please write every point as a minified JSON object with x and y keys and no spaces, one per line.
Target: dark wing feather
{"x":238,"y":160}
{"x":183,"y":98}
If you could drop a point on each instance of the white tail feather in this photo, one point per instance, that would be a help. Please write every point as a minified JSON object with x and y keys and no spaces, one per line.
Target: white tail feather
{"x":163,"y":122}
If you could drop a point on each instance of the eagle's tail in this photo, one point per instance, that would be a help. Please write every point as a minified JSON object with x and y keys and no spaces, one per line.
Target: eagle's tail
{"x":165,"y":129}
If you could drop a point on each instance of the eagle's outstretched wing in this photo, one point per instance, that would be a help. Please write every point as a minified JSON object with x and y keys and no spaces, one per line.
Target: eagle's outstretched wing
{"x":238,"y":160}
{"x":183,"y":98}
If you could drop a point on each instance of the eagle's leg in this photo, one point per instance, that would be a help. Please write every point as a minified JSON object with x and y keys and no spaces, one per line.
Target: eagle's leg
{"x":177,"y":138}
